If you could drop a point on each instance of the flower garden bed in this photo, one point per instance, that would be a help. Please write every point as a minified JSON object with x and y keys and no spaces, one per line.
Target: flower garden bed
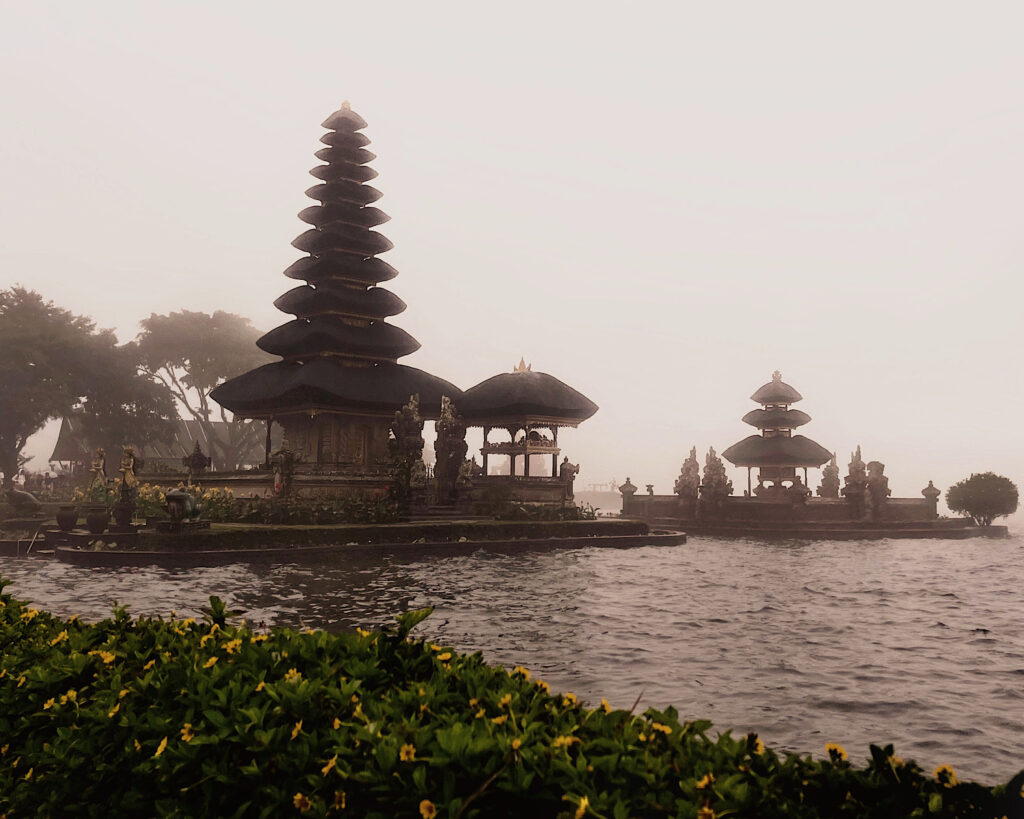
{"x":183,"y":718}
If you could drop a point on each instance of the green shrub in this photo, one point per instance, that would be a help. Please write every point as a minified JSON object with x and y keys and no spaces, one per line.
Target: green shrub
{"x":983,"y":497}
{"x":155,"y":717}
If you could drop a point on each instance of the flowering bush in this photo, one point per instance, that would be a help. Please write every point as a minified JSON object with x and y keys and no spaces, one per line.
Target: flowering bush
{"x":319,"y":509}
{"x":184,"y":718}
{"x":149,"y":501}
{"x":95,"y":492}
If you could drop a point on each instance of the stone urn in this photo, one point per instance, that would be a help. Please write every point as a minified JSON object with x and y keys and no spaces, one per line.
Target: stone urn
{"x":67,"y":517}
{"x":124,"y":511}
{"x":97,"y":516}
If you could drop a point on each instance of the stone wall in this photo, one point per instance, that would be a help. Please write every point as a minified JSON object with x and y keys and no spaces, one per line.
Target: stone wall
{"x":762,"y":509}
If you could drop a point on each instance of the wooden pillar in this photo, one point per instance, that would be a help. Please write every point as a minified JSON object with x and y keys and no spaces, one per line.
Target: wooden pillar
{"x":270,"y":422}
{"x":483,"y":452}
{"x":526,"y":450}
{"x":554,"y":455}
{"x":750,"y":491}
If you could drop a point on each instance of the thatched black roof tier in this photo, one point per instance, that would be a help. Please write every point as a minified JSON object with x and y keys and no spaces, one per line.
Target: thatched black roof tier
{"x":375,"y":303}
{"x":344,"y":212}
{"x":358,"y":156}
{"x":346,"y":267}
{"x":776,"y":391}
{"x":343,"y":170}
{"x":778,"y":450}
{"x":327,"y":383}
{"x":524,"y":397}
{"x":345,"y":139}
{"x":344,"y":120}
{"x":338,"y":237}
{"x":344,"y":191}
{"x":326,"y":334}
{"x":776,"y":418}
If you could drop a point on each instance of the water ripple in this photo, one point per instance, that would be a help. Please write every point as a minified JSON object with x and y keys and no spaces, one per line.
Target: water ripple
{"x":918,"y":643}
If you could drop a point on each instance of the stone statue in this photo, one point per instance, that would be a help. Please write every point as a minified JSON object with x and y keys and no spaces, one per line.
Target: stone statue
{"x":829,"y":480}
{"x":687,"y":485}
{"x":715,"y":487}
{"x":99,"y":467}
{"x":450,"y":449}
{"x":406,"y":448}
{"x":195,"y":463}
{"x":24,"y":503}
{"x":877,"y":488}
{"x":798,"y":493}
{"x":932,"y":495}
{"x":855,"y":485}
{"x":567,"y":472}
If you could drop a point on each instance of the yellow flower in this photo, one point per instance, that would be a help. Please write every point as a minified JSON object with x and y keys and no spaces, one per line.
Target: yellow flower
{"x":568,"y":699}
{"x":835,"y":752}
{"x":149,"y":665}
{"x":48,"y":704}
{"x":339,"y":800}
{"x":445,"y":656}
{"x":581,"y":811}
{"x":427,"y":809}
{"x":946,"y":775}
{"x":642,"y":736}
{"x":29,"y":614}
{"x":60,"y":638}
{"x":564,"y":741}
{"x":363,"y":632}
{"x":161,"y":747}
{"x":296,"y":729}
{"x":423,"y":707}
{"x":354,"y":698}
{"x":705,"y":813}
{"x":326,"y":769}
{"x":301,"y":802}
{"x":434,"y":647}
{"x":499,"y":720}
{"x":657,"y":726}
{"x":21,"y":680}
{"x":517,"y":743}
{"x":480,"y":713}
{"x":706,"y":780}
{"x":259,"y":638}
{"x":210,"y":663}
{"x":72,"y":694}
{"x":504,"y":700}
{"x":605,"y":706}
{"x":113,"y":711}
{"x":124,"y":692}
{"x":231,"y":646}
{"x":473,"y":702}
{"x":755,"y":742}
{"x":105,"y":656}
{"x":544,"y":685}
{"x":137,"y":746}
{"x":408,"y":753}
{"x":520,"y":670}
{"x":337,"y":723}
{"x":292,"y":675}
{"x":261,"y":686}
{"x":186,"y":732}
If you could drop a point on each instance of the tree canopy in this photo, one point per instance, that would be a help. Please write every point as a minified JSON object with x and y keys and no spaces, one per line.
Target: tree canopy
{"x":983,"y":497}
{"x":191,"y":353}
{"x":56,"y":363}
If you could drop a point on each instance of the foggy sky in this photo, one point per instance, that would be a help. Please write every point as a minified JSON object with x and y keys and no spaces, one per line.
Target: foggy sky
{"x":659,"y":205}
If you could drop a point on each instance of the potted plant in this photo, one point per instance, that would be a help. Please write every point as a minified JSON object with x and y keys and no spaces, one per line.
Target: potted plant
{"x":94,"y":503}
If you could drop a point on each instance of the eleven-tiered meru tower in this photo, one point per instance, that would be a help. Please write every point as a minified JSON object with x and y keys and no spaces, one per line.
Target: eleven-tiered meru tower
{"x":338,"y":383}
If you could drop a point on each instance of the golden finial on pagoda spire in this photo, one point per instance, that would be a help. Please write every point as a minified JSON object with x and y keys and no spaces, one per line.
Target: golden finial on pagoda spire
{"x":776,"y":376}
{"x":522,"y":366}
{"x":345,"y":106}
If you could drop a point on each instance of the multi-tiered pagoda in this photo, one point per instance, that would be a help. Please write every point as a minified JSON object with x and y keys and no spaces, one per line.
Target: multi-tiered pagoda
{"x":776,"y":452}
{"x":338,"y":383}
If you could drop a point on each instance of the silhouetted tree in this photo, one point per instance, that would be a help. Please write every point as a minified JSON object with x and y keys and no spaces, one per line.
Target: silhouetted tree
{"x":983,"y":497}
{"x":191,"y":353}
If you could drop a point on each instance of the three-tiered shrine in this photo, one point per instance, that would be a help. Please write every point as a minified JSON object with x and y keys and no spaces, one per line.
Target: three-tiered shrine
{"x":338,"y":383}
{"x":776,"y":452}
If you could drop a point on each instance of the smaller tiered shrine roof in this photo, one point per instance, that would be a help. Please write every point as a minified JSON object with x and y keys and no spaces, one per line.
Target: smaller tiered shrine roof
{"x":778,"y":450}
{"x":776,"y":391}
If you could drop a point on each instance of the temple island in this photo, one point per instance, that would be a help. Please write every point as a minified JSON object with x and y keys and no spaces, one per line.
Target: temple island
{"x":781,"y":503}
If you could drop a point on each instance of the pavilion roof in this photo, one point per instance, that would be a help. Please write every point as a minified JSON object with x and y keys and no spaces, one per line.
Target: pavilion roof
{"x":373,"y":303}
{"x":779,"y":450}
{"x":524,"y":397}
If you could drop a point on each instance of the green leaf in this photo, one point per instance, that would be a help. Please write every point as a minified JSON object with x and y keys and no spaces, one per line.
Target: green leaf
{"x":408,"y":620}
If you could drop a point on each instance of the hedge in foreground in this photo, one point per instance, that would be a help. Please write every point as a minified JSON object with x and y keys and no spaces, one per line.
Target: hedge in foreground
{"x":180,"y":718}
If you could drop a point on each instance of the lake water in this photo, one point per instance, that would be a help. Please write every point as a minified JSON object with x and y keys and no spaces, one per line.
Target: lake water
{"x":915,"y":642}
